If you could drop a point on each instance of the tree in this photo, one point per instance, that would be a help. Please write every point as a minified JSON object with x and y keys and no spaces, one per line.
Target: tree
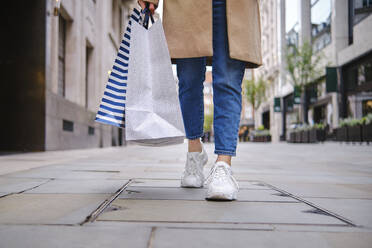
{"x":303,"y":66}
{"x":208,"y":122}
{"x":255,"y":93}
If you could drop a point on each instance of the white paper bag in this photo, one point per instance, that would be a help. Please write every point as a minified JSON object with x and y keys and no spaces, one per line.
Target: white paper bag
{"x":141,"y":94}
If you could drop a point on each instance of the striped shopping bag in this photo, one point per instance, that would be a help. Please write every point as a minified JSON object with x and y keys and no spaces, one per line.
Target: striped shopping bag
{"x":141,"y":92}
{"x":112,"y":108}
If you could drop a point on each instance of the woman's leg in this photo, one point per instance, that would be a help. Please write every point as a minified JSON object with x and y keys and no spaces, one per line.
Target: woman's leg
{"x":191,"y":75}
{"x":227,"y":79}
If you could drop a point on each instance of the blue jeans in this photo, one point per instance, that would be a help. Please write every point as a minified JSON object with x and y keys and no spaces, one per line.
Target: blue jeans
{"x":227,"y":79}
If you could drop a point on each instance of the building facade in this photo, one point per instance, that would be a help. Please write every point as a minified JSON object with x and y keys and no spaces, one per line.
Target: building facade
{"x":340,"y":32}
{"x":66,"y":59}
{"x":270,"y":72}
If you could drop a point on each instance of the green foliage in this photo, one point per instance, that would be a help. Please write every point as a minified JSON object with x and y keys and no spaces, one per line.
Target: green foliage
{"x":319,"y":126}
{"x":208,"y":121}
{"x":366,"y":120}
{"x":261,"y":127}
{"x":255,"y":92}
{"x":263,"y":132}
{"x":350,"y":122}
{"x":303,"y":64}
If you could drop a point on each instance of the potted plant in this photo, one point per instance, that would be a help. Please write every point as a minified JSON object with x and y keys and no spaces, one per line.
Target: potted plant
{"x":312,"y":135}
{"x":298,"y":135}
{"x":292,"y":136}
{"x":320,"y":132}
{"x":354,"y":130}
{"x":305,"y":134}
{"x":261,"y":135}
{"x":341,"y":131}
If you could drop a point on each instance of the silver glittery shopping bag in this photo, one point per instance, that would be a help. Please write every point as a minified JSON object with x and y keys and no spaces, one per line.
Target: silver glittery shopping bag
{"x":141,"y":94}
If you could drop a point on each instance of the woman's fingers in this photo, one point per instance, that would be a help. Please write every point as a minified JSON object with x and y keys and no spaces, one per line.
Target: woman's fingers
{"x":142,"y":3}
{"x":152,"y":8}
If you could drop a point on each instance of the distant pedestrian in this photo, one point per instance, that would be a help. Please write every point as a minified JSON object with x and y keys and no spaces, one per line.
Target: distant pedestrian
{"x":224,"y":34}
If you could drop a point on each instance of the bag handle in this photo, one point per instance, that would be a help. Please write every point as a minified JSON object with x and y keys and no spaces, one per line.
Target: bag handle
{"x":148,"y":15}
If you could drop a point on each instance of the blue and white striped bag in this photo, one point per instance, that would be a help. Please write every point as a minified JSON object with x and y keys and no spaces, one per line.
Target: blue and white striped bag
{"x":140,"y":95}
{"x":112,"y":108}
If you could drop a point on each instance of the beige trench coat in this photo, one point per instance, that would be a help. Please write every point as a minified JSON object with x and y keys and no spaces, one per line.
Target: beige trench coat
{"x":188,"y":29}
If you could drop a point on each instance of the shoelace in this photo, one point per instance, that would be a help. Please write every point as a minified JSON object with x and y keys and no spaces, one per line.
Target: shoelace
{"x":220,"y":173}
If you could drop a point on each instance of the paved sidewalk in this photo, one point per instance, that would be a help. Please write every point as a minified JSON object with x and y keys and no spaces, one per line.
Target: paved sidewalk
{"x":292,"y":195}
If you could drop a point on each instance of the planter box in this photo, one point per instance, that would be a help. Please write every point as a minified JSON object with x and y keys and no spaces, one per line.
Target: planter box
{"x":320,"y":135}
{"x":305,"y":136}
{"x":298,"y":137}
{"x":262,"y":138}
{"x":367,"y":133}
{"x":354,"y":133}
{"x":292,"y":137}
{"x":341,"y":134}
{"x":313,"y":136}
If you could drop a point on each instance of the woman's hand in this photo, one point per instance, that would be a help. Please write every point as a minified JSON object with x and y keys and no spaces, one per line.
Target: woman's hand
{"x":142,"y":3}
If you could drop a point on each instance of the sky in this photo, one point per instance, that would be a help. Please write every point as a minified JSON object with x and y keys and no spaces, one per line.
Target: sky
{"x":319,"y":12}
{"x":291,"y":7}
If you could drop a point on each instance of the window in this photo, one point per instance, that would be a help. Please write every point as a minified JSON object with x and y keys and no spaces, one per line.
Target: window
{"x":359,"y":76}
{"x":90,"y":130}
{"x":361,"y":9}
{"x":114,"y":16}
{"x":88,"y":72}
{"x":68,"y":126}
{"x":367,"y":107}
{"x":321,"y":23}
{"x":61,"y":57}
{"x":362,"y":5}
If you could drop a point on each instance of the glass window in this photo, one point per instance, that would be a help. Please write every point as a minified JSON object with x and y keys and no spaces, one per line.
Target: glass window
{"x":359,"y":75}
{"x":362,"y":9}
{"x":367,"y":107}
{"x":88,"y":72}
{"x":61,"y":57}
{"x":321,"y":23}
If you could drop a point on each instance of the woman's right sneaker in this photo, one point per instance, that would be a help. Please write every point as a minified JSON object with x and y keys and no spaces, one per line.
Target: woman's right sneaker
{"x":221,"y":183}
{"x":193,"y":175}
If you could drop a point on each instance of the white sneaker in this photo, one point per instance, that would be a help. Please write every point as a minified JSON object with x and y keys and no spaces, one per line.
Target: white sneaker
{"x":193,"y":176}
{"x":221,"y":183}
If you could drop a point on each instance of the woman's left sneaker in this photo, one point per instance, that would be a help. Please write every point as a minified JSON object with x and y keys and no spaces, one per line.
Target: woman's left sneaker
{"x":221,"y":183}
{"x":193,"y":175}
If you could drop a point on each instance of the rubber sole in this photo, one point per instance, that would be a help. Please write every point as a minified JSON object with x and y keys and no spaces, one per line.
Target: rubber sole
{"x":220,"y":196}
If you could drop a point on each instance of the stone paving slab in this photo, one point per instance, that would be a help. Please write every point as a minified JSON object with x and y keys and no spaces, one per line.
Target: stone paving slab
{"x":62,"y":174}
{"x":158,"y":183}
{"x":87,"y":186}
{"x":25,"y":161}
{"x":58,"y":236}
{"x":237,"y":226}
{"x":146,"y":175}
{"x":48,"y":208}
{"x":360,"y":191}
{"x":172,"y":237}
{"x":216,"y":226}
{"x":155,"y":193}
{"x":216,"y":212}
{"x":283,"y":177}
{"x":13,"y":185}
{"x":356,"y":210}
